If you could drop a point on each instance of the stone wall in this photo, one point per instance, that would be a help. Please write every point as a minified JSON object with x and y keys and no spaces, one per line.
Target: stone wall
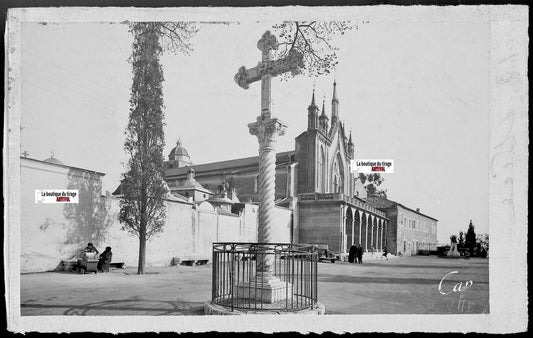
{"x":51,"y":231}
{"x":54,"y":232}
{"x":319,"y":223}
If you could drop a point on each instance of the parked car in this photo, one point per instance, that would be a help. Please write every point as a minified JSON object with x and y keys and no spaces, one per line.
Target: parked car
{"x":324,"y":254}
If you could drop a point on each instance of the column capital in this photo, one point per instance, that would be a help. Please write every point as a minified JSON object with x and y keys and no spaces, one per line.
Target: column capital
{"x":267,"y":131}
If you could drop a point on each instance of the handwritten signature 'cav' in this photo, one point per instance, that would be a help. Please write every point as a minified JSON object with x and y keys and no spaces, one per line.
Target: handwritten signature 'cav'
{"x":458,"y":287}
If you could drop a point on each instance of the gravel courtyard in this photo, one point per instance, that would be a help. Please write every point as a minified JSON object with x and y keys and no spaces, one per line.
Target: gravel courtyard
{"x":408,"y":285}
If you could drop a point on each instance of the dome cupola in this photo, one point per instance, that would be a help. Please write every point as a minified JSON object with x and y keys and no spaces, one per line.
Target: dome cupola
{"x":178,"y":156}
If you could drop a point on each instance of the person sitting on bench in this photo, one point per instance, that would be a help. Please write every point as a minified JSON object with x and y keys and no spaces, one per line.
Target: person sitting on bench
{"x":105,"y":260}
{"x":90,"y":248}
{"x":89,"y":253}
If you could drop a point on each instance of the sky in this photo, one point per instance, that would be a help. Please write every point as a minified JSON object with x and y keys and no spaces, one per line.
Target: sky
{"x":413,"y":90}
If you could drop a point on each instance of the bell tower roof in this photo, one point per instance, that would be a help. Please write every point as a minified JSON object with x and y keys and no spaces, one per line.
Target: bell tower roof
{"x":335,"y":91}
{"x":312,"y":115}
{"x":313,"y":104}
{"x":334,"y":105}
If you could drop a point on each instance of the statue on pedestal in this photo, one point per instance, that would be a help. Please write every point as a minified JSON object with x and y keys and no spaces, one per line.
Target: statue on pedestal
{"x":453,"y":252}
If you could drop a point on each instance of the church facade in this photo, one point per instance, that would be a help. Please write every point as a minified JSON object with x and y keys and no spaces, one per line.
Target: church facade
{"x":314,"y":180}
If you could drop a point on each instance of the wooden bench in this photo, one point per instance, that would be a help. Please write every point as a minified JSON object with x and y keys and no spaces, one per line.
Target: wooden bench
{"x":117,"y":265}
{"x":73,"y":265}
{"x":69,"y":265}
{"x":189,"y":260}
{"x":114,"y":265}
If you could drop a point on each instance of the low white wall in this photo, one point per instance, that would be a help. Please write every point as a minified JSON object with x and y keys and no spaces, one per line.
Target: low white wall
{"x":51,"y":233}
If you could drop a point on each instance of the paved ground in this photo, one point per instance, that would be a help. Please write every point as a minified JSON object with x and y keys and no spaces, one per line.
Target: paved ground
{"x":406,"y":285}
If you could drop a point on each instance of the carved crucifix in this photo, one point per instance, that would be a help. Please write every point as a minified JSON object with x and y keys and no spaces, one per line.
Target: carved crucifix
{"x":267,"y":130}
{"x":267,"y":69}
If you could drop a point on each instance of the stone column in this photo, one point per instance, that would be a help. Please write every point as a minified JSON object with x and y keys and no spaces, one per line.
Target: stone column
{"x":376,"y":241}
{"x":366,"y":233}
{"x":266,"y":286}
{"x":372,"y":233}
{"x":382,"y":225}
{"x":377,"y":234}
{"x":343,"y":230}
{"x":267,"y":132}
{"x":360,"y":227}
{"x":353,"y":228}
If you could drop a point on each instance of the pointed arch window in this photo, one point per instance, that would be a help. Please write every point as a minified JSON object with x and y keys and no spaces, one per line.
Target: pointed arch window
{"x":322,"y":170}
{"x":338,"y":177}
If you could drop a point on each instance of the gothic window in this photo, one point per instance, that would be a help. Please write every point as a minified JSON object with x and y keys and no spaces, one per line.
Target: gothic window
{"x":337,"y":175}
{"x":322,"y":171}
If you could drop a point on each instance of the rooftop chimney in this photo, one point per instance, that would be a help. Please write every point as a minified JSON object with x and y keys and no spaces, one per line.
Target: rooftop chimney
{"x":418,"y":210}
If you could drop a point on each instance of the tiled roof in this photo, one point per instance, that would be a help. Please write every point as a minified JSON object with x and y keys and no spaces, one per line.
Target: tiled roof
{"x":383,"y":203}
{"x":189,"y":184}
{"x":283,"y":157}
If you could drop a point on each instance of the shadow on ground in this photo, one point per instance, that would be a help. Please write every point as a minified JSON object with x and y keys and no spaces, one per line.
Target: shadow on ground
{"x":382,"y":280}
{"x":126,"y":307}
{"x":389,"y":264}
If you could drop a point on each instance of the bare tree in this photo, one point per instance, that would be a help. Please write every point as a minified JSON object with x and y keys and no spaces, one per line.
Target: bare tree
{"x":176,"y":36}
{"x":313,"y":39}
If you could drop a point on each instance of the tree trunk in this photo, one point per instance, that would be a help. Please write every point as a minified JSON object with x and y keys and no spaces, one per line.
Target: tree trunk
{"x":142,"y":252}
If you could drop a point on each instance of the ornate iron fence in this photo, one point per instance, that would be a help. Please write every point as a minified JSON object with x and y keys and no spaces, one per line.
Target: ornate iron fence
{"x":264,"y":277}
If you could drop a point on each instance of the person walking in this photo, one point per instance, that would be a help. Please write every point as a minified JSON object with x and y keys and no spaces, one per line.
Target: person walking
{"x":352,"y":256}
{"x":360,"y":254}
{"x":385,"y":253}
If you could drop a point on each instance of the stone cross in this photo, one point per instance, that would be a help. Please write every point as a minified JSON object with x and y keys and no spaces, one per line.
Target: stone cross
{"x":267,"y":69}
{"x":25,"y":153}
{"x":267,"y":130}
